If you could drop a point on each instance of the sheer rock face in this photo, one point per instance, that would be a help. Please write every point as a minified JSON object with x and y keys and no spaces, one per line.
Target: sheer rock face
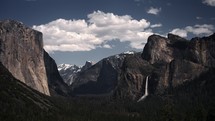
{"x":157,"y":49}
{"x":179,"y":60}
{"x":132,"y":79}
{"x":198,"y":50}
{"x":161,"y":49}
{"x":201,"y":50}
{"x":174,"y":74}
{"x":21,"y":52}
{"x":56,"y":85}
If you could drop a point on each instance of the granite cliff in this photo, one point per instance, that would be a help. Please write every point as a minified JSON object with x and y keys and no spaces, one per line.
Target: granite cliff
{"x":22,"y":53}
{"x":177,"y":60}
{"x":57,"y":86}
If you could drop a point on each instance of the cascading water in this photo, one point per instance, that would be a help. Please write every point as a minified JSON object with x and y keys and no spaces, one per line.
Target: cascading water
{"x":146,"y":90}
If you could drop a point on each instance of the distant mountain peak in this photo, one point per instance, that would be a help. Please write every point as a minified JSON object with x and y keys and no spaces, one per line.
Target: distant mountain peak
{"x":65,"y":66}
{"x":69,"y":71}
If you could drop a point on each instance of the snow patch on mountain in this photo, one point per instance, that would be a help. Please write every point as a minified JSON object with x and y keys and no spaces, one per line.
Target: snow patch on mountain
{"x":129,"y":52}
{"x":69,"y":72}
{"x":64,"y":66}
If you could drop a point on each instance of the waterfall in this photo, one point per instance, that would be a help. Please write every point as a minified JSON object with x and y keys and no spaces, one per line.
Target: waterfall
{"x":146,"y":90}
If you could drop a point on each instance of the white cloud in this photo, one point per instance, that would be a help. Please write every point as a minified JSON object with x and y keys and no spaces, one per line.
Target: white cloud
{"x":156,"y":25}
{"x":209,"y":2}
{"x":154,"y":11}
{"x":98,"y":29}
{"x":106,"y":46}
{"x":179,"y":32}
{"x":198,"y":30}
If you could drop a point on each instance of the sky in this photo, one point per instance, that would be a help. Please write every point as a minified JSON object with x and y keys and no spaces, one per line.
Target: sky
{"x":76,"y":31}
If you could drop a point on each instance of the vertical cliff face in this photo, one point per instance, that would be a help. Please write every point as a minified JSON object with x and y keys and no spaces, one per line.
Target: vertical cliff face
{"x":157,"y":49}
{"x":21,"y":52}
{"x":179,"y":60}
{"x":55,"y":81}
{"x":132,"y":79}
{"x":201,"y":50}
{"x":198,"y":50}
{"x":160,"y":49}
{"x":174,"y":74}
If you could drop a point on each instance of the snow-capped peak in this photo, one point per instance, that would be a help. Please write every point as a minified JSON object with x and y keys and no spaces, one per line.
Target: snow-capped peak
{"x":64,"y":66}
{"x":129,"y":52}
{"x":68,"y":72}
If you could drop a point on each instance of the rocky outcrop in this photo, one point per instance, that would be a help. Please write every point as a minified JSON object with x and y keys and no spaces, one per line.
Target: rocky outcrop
{"x":131,"y":81}
{"x":21,"y":52}
{"x":201,"y":50}
{"x":160,"y":49}
{"x":198,"y":50}
{"x":174,"y":74}
{"x":177,"y":60}
{"x":157,"y":49}
{"x":87,"y":65}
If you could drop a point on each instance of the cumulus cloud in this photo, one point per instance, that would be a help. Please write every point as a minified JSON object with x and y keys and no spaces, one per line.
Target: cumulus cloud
{"x":106,"y":46}
{"x":154,"y":11}
{"x":209,"y":2}
{"x":96,"y":31}
{"x":179,"y":32}
{"x":198,"y":30}
{"x":156,"y":25}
